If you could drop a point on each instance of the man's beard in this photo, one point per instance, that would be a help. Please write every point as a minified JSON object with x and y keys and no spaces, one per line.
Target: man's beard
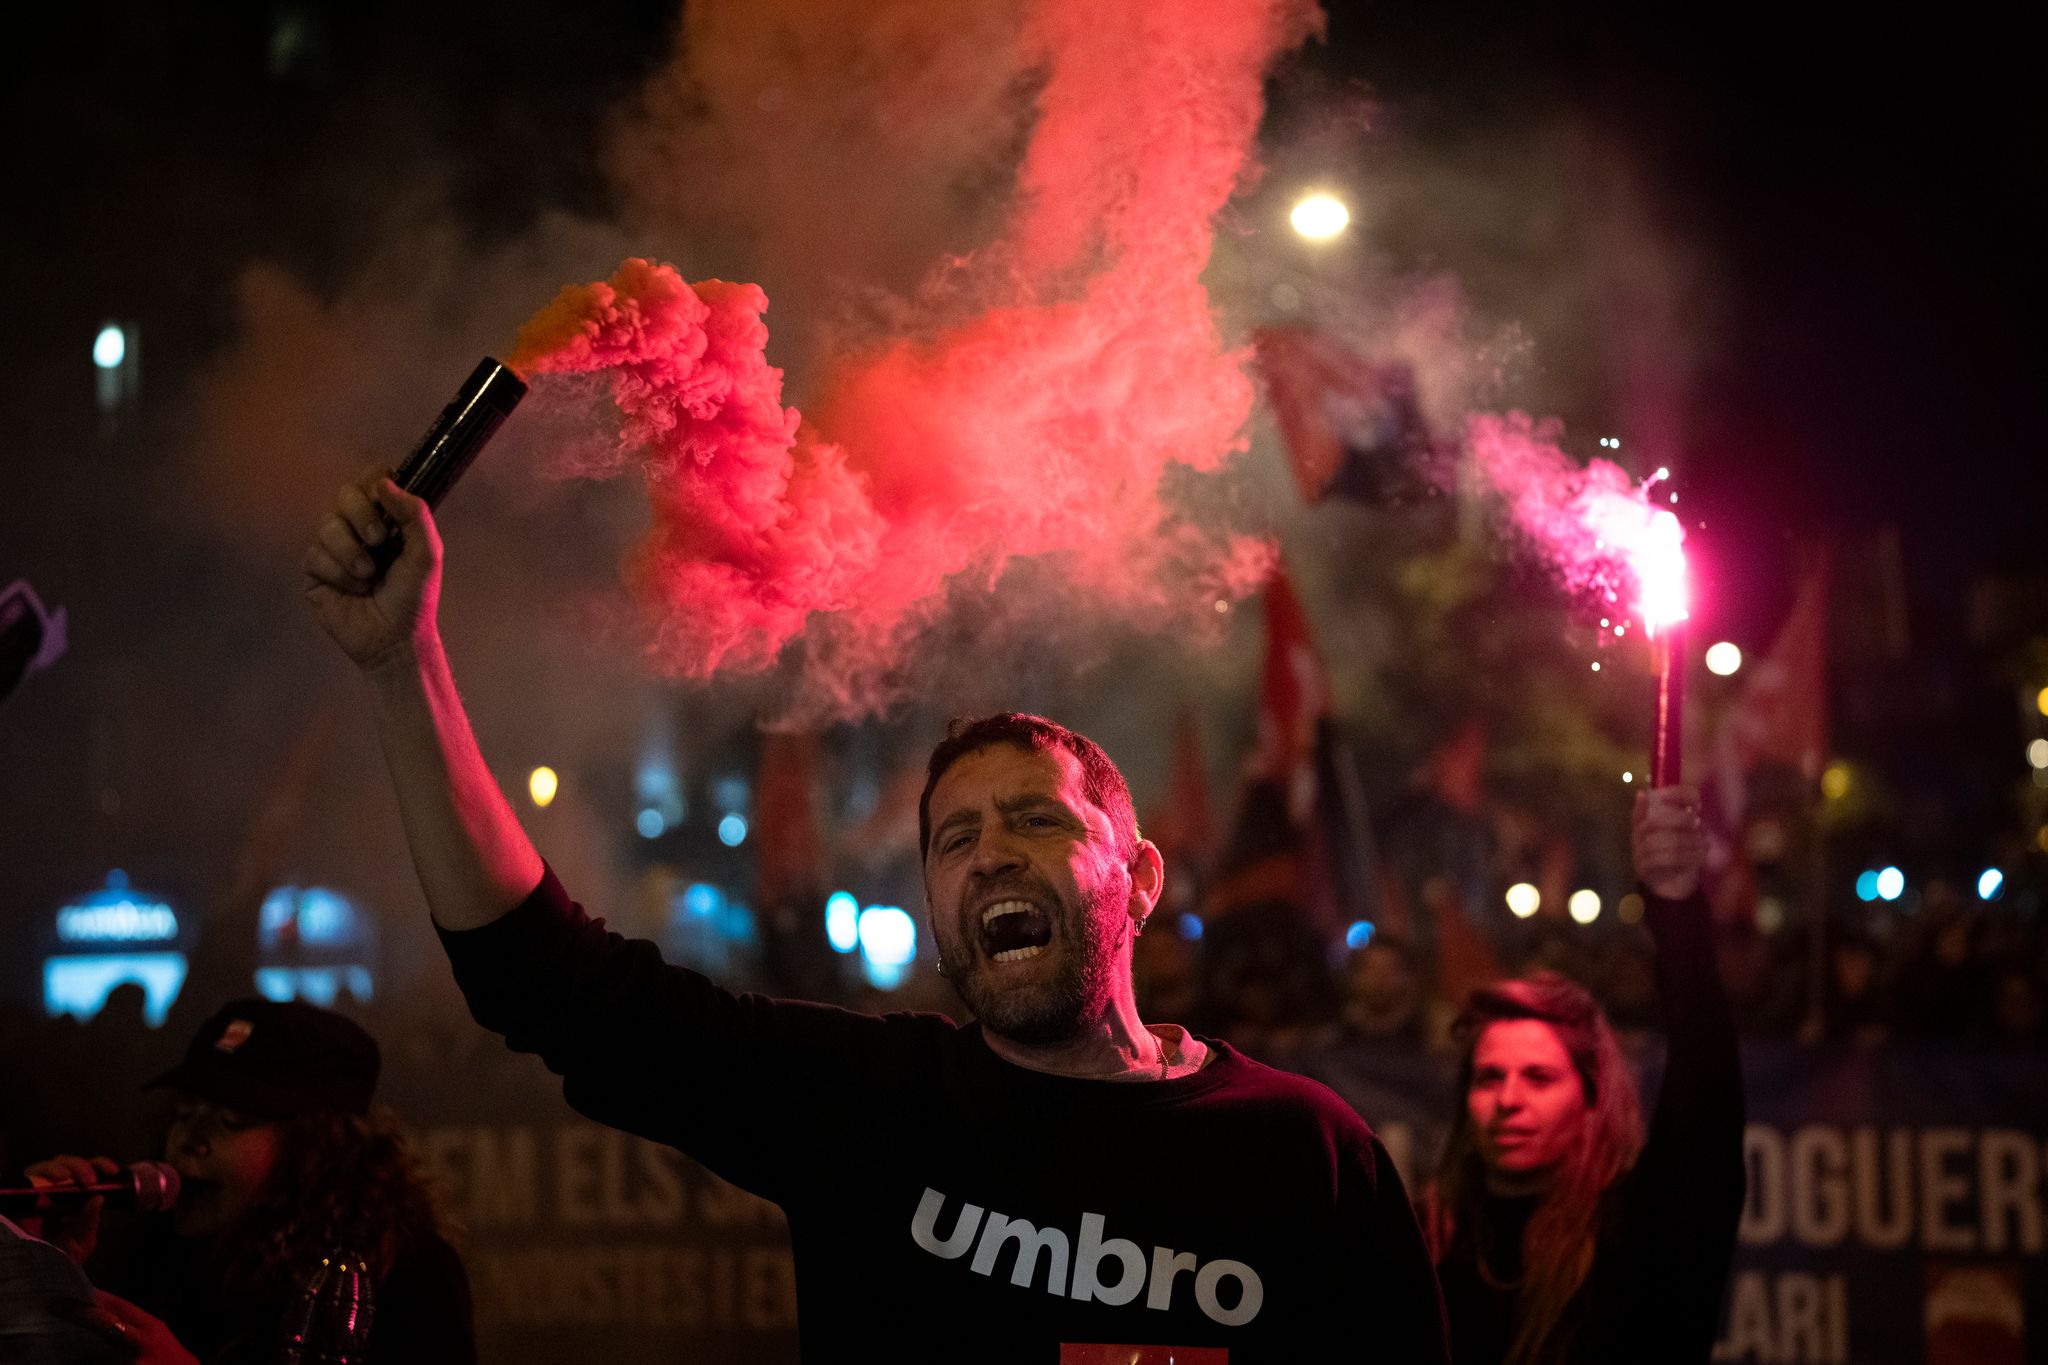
{"x":1054,"y":1012}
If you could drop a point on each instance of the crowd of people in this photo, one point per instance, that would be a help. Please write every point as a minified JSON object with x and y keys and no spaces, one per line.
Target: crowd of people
{"x":1948,"y":971}
{"x":1567,"y":1216}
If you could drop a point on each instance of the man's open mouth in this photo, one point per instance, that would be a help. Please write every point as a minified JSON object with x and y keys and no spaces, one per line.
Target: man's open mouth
{"x":1014,"y":931}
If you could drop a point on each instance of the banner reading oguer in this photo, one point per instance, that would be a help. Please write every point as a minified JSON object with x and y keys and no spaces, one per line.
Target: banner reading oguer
{"x":1895,"y":1212}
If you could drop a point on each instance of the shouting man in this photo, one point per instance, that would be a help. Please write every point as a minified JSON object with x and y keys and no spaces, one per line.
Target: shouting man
{"x":1053,"y":1180}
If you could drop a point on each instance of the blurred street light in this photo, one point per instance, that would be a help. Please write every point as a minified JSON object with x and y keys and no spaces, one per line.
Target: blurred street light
{"x":1723,"y":659}
{"x":542,"y":784}
{"x":1524,"y":900}
{"x":110,"y":347}
{"x":1319,"y":217}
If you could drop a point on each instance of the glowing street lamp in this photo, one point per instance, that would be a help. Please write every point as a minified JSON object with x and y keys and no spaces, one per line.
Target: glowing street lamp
{"x":1723,"y":659}
{"x":1319,"y":217}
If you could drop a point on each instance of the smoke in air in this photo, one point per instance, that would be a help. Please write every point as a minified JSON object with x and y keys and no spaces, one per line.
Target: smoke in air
{"x":1595,"y":526}
{"x":1079,"y":369}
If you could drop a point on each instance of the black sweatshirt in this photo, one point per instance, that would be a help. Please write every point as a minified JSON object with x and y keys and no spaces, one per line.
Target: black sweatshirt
{"x":945,"y":1204}
{"x":1667,"y":1228}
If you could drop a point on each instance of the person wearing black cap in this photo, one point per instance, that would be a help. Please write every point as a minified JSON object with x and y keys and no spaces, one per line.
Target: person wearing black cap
{"x":284,"y":1158}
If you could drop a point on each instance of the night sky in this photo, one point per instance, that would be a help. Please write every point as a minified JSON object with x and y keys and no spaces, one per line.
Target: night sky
{"x":1866,"y":185}
{"x":1863,"y":188}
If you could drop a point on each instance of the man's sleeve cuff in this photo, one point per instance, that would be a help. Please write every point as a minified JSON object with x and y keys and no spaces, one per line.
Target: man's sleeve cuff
{"x":529,"y":926}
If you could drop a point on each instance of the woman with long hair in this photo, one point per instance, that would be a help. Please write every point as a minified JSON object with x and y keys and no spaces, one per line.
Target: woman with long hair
{"x":285,"y":1164}
{"x":1562,"y":1232}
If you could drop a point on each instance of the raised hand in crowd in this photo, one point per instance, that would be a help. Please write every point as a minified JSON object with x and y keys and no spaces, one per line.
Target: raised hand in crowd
{"x":1667,"y":842}
{"x":375,"y":612}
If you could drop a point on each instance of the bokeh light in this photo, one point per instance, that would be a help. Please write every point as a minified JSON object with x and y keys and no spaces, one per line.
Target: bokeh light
{"x":542,"y":784}
{"x":1891,"y":884}
{"x":888,"y":936}
{"x":1723,"y":659}
{"x":1584,"y":906}
{"x":1319,"y":217}
{"x":842,"y":921}
{"x":1524,"y":900}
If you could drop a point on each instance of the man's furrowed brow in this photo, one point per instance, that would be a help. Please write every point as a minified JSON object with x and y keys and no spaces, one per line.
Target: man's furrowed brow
{"x":966,"y":815}
{"x":1011,"y":805}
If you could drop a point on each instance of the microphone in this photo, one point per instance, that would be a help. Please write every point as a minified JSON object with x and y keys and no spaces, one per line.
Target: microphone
{"x":146,"y":1187}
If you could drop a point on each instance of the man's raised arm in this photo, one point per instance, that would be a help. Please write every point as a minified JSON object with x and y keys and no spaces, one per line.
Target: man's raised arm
{"x":474,"y":861}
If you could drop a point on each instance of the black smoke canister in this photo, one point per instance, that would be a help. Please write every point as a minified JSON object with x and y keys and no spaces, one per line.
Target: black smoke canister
{"x":464,"y":427}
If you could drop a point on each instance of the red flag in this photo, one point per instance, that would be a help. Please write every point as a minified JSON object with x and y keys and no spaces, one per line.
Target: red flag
{"x":1294,"y":699}
{"x":890,"y":827}
{"x":1433,"y":903}
{"x":1182,"y":824}
{"x":786,"y":848}
{"x":1781,"y":714}
{"x":1464,"y":959}
{"x":1300,"y":753}
{"x":1779,"y":718}
{"x":1346,"y":421}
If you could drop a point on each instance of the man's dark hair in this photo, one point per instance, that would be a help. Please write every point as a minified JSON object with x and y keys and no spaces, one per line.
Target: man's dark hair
{"x":1101,"y":783}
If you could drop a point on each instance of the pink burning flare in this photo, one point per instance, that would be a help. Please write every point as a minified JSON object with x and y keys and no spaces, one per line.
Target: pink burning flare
{"x":1593,"y":523}
{"x":1658,"y":562}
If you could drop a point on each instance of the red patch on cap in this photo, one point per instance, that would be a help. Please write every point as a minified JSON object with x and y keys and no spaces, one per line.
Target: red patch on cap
{"x":234,"y":1035}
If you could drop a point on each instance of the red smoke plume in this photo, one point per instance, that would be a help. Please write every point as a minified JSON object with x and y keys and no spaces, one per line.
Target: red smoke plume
{"x":1041,"y":426}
